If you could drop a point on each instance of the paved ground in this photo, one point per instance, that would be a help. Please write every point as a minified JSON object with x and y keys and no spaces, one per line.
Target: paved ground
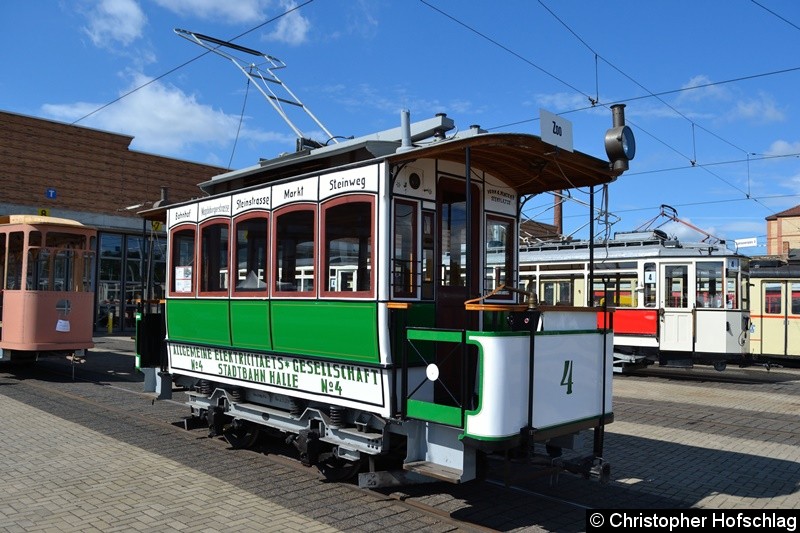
{"x":76,"y":455}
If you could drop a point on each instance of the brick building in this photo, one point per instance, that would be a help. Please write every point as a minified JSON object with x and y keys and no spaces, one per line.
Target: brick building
{"x":783,"y":232}
{"x":93,"y":177}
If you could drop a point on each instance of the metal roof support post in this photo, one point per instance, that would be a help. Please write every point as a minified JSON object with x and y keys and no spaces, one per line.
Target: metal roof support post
{"x":468,"y":248}
{"x":590,"y":291}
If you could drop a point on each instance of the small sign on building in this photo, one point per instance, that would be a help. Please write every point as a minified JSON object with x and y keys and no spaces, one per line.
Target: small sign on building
{"x":50,"y":193}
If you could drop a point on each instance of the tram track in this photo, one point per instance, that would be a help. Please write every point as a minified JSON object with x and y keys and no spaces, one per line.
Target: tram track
{"x":745,"y":375}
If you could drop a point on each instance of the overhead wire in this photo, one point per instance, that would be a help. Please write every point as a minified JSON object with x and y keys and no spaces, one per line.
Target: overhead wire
{"x":185,"y":63}
{"x":594,"y":102}
{"x":694,"y":124}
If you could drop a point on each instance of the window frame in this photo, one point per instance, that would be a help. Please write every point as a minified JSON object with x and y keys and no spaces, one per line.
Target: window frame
{"x":171,"y":266}
{"x":322,"y":246}
{"x":264,"y":216}
{"x":218,"y":293}
{"x":416,"y":248}
{"x":510,"y":265}
{"x":273,"y":246}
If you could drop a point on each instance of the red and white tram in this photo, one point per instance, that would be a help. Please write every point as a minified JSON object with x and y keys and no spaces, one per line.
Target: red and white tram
{"x":671,"y":302}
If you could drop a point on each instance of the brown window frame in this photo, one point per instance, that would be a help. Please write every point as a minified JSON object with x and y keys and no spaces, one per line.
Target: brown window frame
{"x":275,"y":218}
{"x":171,"y":266}
{"x":221,"y":292}
{"x":322,"y":245}
{"x":234,"y":264}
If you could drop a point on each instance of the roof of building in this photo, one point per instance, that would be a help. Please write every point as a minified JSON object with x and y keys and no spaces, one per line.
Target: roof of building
{"x":791,"y":212}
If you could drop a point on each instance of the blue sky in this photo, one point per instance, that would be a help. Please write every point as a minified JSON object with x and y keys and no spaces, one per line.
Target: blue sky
{"x":711,"y":88}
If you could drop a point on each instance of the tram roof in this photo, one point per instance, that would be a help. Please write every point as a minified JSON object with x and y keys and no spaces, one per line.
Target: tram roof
{"x":622,"y":250}
{"x":523,"y":161}
{"x":38,"y":219}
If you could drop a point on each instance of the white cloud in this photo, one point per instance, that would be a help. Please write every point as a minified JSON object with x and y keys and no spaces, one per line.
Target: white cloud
{"x":558,"y":102}
{"x":762,"y":109}
{"x":113,"y":22}
{"x":698,"y":88}
{"x":165,"y":120}
{"x":235,"y":12}
{"x":781,"y":147}
{"x":686,"y":233}
{"x":291,"y":28}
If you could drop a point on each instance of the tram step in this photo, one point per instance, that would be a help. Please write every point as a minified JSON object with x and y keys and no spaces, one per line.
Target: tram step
{"x":427,"y":468}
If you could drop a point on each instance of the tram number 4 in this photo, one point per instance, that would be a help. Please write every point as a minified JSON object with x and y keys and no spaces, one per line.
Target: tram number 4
{"x":197,"y":365}
{"x":331,"y":387}
{"x":566,"y":377}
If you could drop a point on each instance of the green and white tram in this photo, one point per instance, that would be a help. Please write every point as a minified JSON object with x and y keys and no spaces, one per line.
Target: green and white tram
{"x":361,"y":322}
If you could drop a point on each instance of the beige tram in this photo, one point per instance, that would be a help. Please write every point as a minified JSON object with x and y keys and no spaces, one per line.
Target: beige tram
{"x":46,"y":293}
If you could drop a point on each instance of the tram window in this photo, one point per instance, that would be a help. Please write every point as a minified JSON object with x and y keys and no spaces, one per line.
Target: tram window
{"x":619,"y":291}
{"x":731,"y":291}
{"x":182,"y":261}
{"x":15,"y":250}
{"x":39,"y":270}
{"x":214,"y":258}
{"x":454,"y":240}
{"x":428,"y":253}
{"x":294,"y":252}
{"x":56,"y":239}
{"x":709,"y":284}
{"x":773,"y":296}
{"x":251,"y":255}
{"x":556,"y":292}
{"x":649,"y":284}
{"x":499,"y":259}
{"x":64,"y":270}
{"x":675,"y":286}
{"x":795,"y":288}
{"x":405,"y":249}
{"x":2,"y":262}
{"x":348,"y":246}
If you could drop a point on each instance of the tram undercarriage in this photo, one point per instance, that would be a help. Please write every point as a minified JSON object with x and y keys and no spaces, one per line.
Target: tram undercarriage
{"x":344,"y":442}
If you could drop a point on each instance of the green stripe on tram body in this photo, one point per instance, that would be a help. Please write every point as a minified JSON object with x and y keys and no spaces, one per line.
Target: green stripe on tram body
{"x":199,"y":321}
{"x":347,"y":331}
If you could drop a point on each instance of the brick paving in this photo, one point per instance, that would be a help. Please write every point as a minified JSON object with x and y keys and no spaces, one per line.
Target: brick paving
{"x":82,"y":456}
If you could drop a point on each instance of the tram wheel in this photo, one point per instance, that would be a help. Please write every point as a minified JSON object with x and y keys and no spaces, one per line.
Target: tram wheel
{"x":719,"y":366}
{"x":337,"y":469}
{"x":240,"y":434}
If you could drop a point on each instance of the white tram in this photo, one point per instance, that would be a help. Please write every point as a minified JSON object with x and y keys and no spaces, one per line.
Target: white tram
{"x":673,"y":302}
